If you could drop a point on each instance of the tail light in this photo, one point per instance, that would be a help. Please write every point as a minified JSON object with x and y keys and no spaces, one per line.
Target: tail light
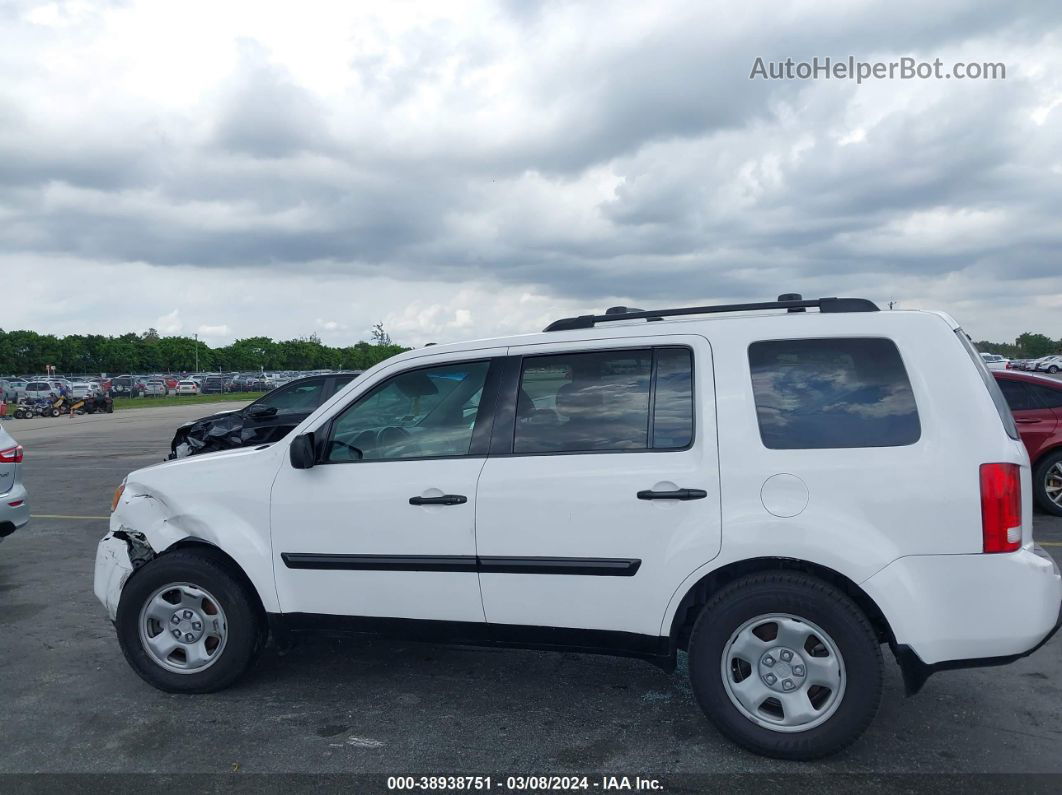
{"x":12,"y":455}
{"x":1001,"y":507}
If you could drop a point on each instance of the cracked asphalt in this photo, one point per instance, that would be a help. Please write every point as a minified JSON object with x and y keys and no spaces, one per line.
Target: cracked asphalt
{"x":70,"y":704}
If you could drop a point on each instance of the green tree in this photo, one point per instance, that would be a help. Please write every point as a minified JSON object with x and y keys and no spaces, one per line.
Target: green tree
{"x":1034,"y":346}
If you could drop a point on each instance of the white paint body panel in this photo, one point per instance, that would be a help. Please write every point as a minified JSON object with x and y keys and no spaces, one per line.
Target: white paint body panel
{"x":904,"y":523}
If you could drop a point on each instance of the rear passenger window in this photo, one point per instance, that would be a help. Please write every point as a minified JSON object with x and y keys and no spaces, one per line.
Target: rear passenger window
{"x":602,"y":401}
{"x":1018,"y":396}
{"x":832,"y":393}
{"x":1049,"y":398}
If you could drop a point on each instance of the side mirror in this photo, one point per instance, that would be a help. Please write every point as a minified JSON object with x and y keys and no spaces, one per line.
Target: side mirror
{"x":260,"y":410}
{"x":302,"y":452}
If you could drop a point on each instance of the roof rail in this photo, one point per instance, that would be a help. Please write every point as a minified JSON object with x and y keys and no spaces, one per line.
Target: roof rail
{"x":791,"y":301}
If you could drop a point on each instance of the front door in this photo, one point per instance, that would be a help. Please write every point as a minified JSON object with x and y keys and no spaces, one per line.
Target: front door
{"x":384,"y":524}
{"x":602,"y":492}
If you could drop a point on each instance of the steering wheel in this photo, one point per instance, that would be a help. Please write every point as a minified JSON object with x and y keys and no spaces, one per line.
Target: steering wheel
{"x":354,"y":452}
{"x":397,"y":438}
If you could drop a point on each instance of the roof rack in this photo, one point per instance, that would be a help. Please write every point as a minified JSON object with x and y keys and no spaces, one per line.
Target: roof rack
{"x":791,"y":301}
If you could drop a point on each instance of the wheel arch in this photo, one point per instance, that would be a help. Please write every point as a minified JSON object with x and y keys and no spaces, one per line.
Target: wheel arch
{"x":1044,"y":452}
{"x":701,"y":591}
{"x":220,"y":556}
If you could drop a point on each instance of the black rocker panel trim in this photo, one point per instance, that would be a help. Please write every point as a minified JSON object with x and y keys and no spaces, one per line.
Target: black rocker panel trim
{"x":657,"y":650}
{"x":594,"y":567}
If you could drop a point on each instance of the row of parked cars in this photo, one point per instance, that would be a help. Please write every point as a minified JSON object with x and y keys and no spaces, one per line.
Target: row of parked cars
{"x":14,"y":389}
{"x":1045,"y":364}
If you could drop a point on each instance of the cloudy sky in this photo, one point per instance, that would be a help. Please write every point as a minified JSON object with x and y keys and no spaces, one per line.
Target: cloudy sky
{"x":465,"y":169}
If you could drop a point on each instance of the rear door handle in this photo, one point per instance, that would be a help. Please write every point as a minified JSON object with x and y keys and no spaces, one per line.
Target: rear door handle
{"x":677,"y":494}
{"x":446,"y":499}
{"x":1027,"y":420}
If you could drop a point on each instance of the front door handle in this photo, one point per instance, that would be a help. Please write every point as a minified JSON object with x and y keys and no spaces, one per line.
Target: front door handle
{"x":446,"y":499}
{"x":677,"y":494}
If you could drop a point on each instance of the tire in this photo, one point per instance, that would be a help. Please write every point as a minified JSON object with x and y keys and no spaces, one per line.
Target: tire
{"x":1052,"y":369}
{"x":168,"y":581}
{"x":1050,"y":466}
{"x":794,"y":604}
{"x":55,"y":412}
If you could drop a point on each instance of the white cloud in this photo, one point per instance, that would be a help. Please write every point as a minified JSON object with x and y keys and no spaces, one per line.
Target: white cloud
{"x":169,"y":324}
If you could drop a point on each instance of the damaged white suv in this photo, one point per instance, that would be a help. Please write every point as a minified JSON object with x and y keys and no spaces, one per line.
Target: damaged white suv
{"x":780,"y":492}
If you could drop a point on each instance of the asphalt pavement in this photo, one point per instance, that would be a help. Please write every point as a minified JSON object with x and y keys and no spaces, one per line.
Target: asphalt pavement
{"x":69,"y":703}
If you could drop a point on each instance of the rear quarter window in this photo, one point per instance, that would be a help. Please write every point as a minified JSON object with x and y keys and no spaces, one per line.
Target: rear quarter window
{"x":832,"y":393}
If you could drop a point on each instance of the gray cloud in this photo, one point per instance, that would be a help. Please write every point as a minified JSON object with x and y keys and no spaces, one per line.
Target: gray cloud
{"x":574,"y":149}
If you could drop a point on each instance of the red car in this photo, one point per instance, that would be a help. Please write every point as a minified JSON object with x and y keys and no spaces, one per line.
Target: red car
{"x":1036,"y":402}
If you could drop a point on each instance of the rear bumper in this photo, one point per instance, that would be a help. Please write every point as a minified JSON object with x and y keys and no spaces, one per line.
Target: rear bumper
{"x":12,"y":517}
{"x":915,"y":672}
{"x":956,"y":611}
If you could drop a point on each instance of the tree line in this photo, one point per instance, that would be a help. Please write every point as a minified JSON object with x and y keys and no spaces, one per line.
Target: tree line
{"x":1026,"y":346}
{"x":27,"y":352}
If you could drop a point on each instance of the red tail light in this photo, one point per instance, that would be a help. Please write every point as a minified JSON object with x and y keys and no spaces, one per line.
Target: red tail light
{"x":12,"y":455}
{"x":1001,"y":507}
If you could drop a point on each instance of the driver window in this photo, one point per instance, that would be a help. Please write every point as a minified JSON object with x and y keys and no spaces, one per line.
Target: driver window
{"x":419,"y":414}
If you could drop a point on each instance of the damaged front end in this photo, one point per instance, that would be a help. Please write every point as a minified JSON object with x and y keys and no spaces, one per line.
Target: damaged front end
{"x":119,"y":554}
{"x":211,"y":434}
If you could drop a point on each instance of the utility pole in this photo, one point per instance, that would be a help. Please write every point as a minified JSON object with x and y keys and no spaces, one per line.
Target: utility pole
{"x":197,"y":352}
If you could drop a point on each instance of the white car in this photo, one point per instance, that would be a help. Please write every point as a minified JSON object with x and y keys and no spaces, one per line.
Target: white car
{"x":80,"y":389}
{"x":188,"y":387}
{"x":779,"y":493}
{"x":14,"y":501}
{"x":1049,"y":364}
{"x":994,"y":361}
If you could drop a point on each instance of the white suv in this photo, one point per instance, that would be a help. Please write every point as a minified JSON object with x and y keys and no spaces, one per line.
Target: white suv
{"x":779,"y":493}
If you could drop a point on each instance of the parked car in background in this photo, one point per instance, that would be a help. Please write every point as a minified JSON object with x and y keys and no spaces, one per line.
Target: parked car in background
{"x":13,"y":389}
{"x":187,"y":387}
{"x":155,"y":387}
{"x":35,"y":390}
{"x":994,"y":361}
{"x":1036,"y":402}
{"x":642,"y":487}
{"x":213,"y":385}
{"x":1049,"y":364}
{"x":80,"y":389}
{"x":268,"y":419}
{"x":127,"y":386}
{"x":14,"y":502}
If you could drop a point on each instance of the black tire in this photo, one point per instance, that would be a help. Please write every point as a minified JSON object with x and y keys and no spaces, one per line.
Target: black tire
{"x":245,"y":626}
{"x":812,"y":600}
{"x":1043,"y":466}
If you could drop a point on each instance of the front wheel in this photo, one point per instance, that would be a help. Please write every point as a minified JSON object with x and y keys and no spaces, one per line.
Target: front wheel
{"x":187,"y":625}
{"x":786,"y":665}
{"x":1047,"y":483}
{"x":1052,"y":369}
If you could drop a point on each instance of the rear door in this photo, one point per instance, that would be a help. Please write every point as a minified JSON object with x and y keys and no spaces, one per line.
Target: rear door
{"x":602,"y":485}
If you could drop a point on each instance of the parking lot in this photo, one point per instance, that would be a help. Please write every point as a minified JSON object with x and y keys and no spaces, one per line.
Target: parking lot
{"x":329,"y":706}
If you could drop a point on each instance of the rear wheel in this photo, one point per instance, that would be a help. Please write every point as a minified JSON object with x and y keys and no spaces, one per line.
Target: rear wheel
{"x":1047,"y":483}
{"x":786,"y":665}
{"x":187,"y":625}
